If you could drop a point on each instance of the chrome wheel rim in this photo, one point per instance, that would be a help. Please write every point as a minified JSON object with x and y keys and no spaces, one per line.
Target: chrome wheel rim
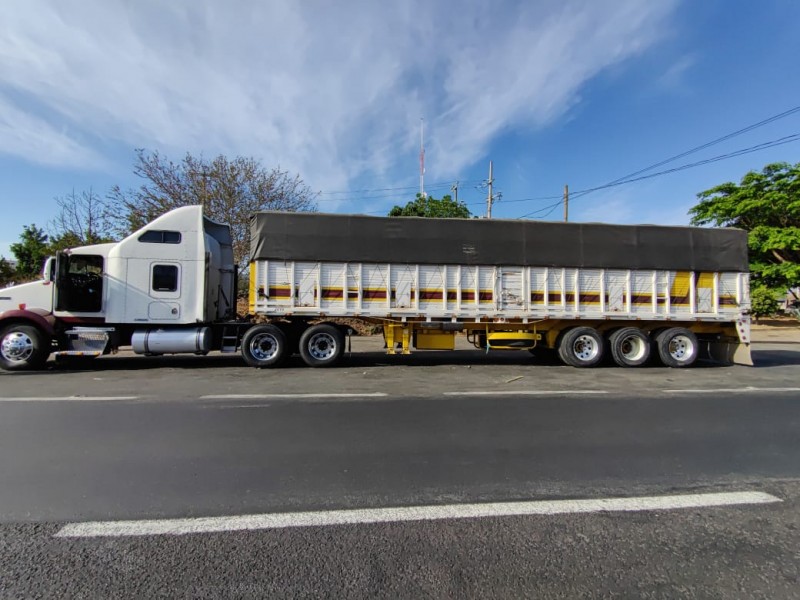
{"x":633,"y":347}
{"x":681,"y":348}
{"x":264,"y":346}
{"x":17,"y":347}
{"x":322,"y":346}
{"x":585,"y":347}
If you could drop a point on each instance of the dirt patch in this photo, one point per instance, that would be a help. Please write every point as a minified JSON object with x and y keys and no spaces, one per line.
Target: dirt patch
{"x":357,"y":325}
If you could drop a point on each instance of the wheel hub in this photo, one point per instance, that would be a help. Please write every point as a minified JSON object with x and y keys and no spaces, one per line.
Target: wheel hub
{"x":16,"y":347}
{"x":585,"y":347}
{"x":632,"y":348}
{"x":322,"y":346}
{"x":681,"y":348}
{"x":264,"y":346}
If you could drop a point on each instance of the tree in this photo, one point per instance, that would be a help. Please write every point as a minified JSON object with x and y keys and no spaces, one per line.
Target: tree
{"x":428,"y":206}
{"x":763,"y":302}
{"x":82,"y":220}
{"x":6,"y":272}
{"x":230,"y":189}
{"x":767,"y":206}
{"x":31,"y":251}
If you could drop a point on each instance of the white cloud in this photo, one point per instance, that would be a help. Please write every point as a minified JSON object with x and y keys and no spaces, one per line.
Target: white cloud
{"x":674,"y":78}
{"x":330,"y":90}
{"x":26,"y":134}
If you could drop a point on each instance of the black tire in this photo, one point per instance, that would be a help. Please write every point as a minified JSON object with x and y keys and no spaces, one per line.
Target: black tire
{"x":23,"y":347}
{"x":677,"y":347}
{"x":630,"y":347}
{"x":582,"y":347}
{"x":322,"y":345}
{"x":264,"y":346}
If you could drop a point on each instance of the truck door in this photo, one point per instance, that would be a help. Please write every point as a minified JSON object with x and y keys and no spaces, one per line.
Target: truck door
{"x":511,"y":292}
{"x":79,"y":283}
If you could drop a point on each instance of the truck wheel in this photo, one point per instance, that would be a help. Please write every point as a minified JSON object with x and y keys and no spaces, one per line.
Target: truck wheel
{"x":630,"y":347}
{"x":321,"y":345}
{"x":581,"y":347}
{"x":23,"y":347}
{"x":264,"y":346}
{"x":677,"y":347}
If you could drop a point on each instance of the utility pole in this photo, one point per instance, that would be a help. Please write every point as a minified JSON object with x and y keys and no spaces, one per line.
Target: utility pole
{"x":489,"y":198}
{"x":422,"y":157}
{"x":204,"y":174}
{"x":566,"y":203}
{"x":454,"y":189}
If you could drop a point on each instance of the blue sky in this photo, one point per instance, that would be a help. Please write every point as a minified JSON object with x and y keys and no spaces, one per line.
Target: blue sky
{"x":552,"y":92}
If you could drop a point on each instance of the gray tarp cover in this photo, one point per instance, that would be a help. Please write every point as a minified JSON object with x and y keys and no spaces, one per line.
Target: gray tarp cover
{"x":358,"y":238}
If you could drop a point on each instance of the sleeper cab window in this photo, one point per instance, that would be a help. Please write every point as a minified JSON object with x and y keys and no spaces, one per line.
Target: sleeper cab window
{"x":158,"y":236}
{"x":165,"y":278}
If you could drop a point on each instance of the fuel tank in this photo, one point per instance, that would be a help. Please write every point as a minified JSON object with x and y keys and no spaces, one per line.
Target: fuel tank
{"x":171,"y":341}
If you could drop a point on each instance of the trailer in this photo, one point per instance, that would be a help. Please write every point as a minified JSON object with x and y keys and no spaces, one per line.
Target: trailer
{"x":587,"y":292}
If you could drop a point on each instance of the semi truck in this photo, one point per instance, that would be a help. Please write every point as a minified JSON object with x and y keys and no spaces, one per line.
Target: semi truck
{"x":590,"y":293}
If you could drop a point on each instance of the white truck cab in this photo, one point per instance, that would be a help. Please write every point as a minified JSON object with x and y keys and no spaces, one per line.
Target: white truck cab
{"x":176,"y":271}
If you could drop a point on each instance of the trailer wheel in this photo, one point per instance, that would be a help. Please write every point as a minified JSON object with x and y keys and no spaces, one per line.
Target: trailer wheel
{"x":581,"y":347}
{"x":23,"y":347}
{"x":630,"y":347}
{"x":321,"y":345}
{"x":264,"y":346}
{"x":677,"y":347}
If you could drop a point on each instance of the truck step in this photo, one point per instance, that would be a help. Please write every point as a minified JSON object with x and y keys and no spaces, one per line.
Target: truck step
{"x":230,"y":341}
{"x":229,"y":345}
{"x":92,"y":353}
{"x":87,"y":341}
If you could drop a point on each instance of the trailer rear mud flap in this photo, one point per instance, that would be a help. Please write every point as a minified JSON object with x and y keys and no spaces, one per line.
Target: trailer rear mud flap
{"x":736,"y":353}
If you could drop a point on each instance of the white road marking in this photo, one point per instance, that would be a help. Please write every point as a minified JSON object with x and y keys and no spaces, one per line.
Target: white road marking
{"x":742,"y":390}
{"x":409,"y":513}
{"x":289,"y":396}
{"x":525,"y":393}
{"x":66,"y":398}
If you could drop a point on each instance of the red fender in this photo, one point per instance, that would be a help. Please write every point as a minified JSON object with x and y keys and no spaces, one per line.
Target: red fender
{"x":40,"y":318}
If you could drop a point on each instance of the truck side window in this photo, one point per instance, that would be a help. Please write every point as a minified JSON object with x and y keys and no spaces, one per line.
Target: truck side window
{"x":165,"y":278}
{"x":157,"y":236}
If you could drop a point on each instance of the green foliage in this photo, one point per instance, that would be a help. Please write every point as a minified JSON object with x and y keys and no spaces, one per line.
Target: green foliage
{"x":230,"y":189}
{"x":7,"y":272}
{"x":763,"y":302}
{"x":31,"y":251}
{"x":429,"y":206}
{"x":767,"y":205}
{"x":64,"y":241}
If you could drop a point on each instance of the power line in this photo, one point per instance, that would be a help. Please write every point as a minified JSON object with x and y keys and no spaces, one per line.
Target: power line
{"x":763,"y":146}
{"x":728,"y":136}
{"x":397,"y":189}
{"x":713,"y":142}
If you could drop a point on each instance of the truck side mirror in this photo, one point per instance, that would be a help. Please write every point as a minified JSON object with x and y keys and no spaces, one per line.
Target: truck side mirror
{"x":49,"y":270}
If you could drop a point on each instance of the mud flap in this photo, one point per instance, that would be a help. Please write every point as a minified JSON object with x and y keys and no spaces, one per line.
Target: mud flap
{"x":726,"y":352}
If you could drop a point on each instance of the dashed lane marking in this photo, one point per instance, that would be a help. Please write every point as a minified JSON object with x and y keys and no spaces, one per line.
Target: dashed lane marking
{"x":67,"y":398}
{"x":289,"y":396}
{"x":408,"y":513}
{"x":742,"y":390}
{"x":526,"y":393}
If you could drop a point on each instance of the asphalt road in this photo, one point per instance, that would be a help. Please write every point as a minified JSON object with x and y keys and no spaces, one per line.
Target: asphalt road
{"x":174,"y":441}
